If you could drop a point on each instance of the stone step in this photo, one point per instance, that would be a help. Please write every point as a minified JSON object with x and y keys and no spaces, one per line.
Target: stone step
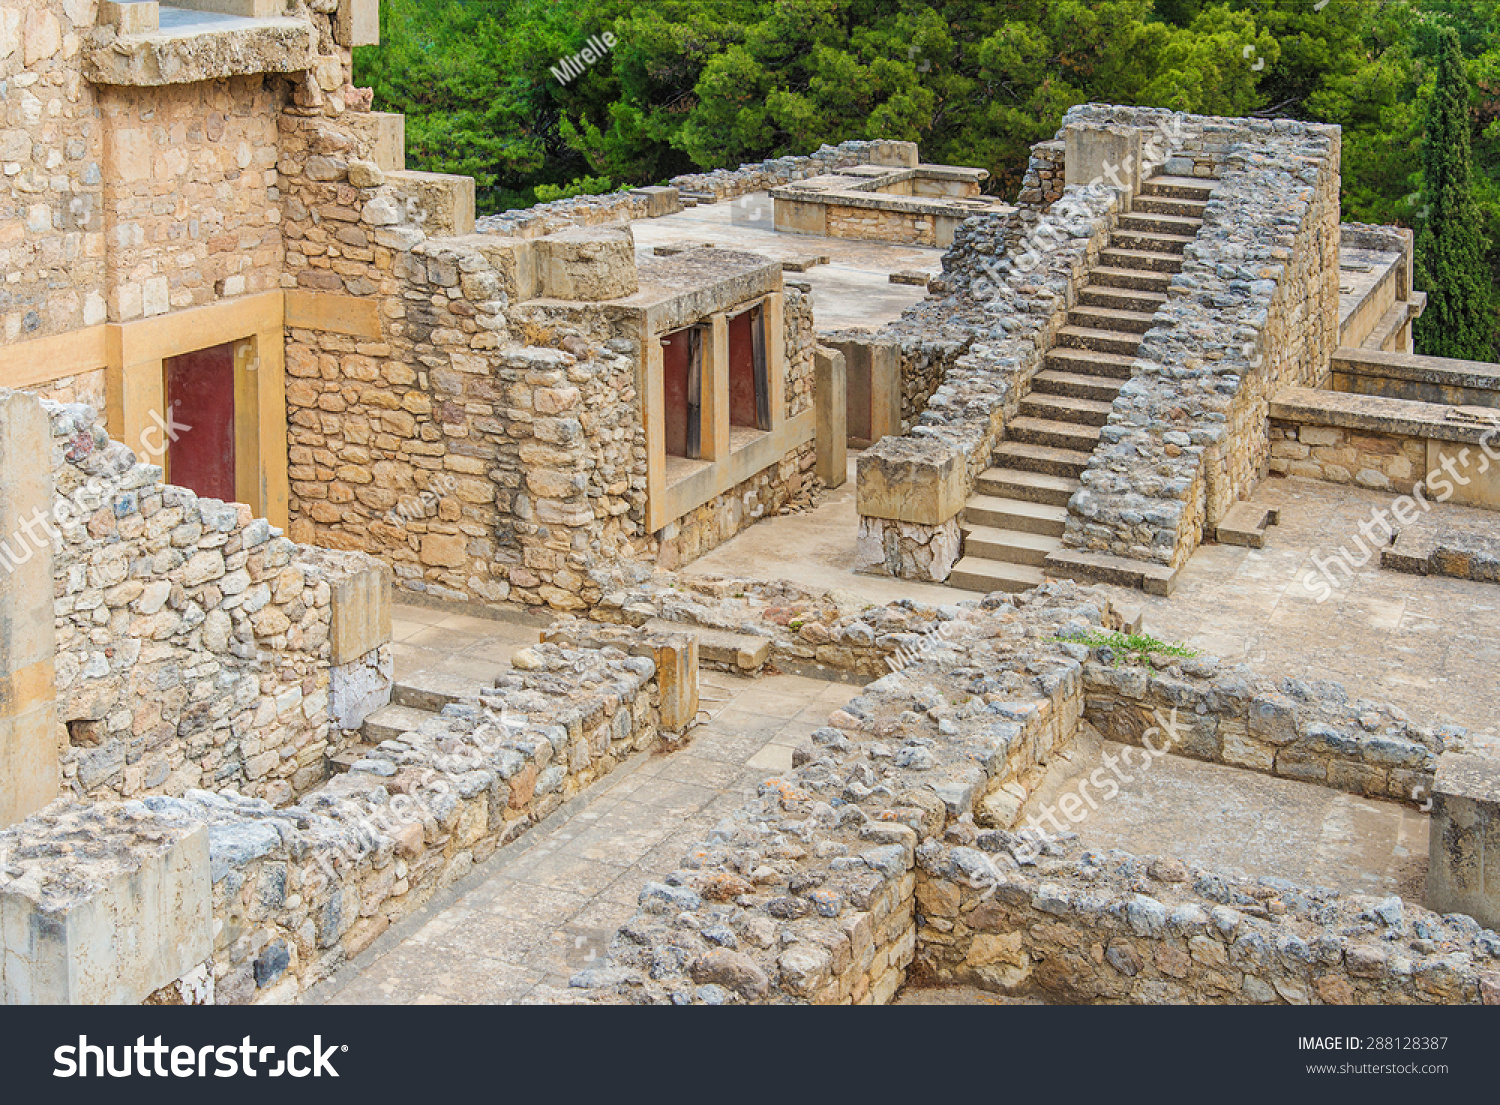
{"x":1167,"y":205}
{"x":391,"y":723}
{"x":1090,"y":362}
{"x":1110,"y":276}
{"x":1100,"y":341}
{"x":1015,"y":514}
{"x":1117,"y":257}
{"x":721,"y":647}
{"x":1111,"y":318}
{"x":1065,"y":408}
{"x":1040,"y":458}
{"x":1009,"y":546}
{"x":973,"y":573}
{"x":1058,"y":435}
{"x":1052,"y":381}
{"x":432,"y":690}
{"x":1152,"y":222}
{"x":1245,"y":524}
{"x":1033,"y":487}
{"x":1120,"y":299}
{"x":1178,"y":187}
{"x":1154,"y":243}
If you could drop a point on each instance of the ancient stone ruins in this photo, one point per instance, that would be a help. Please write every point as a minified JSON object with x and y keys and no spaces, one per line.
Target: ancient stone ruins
{"x":263,"y":389}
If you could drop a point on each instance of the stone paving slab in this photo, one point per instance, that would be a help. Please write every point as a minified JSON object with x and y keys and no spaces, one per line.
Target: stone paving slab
{"x":522,"y":923}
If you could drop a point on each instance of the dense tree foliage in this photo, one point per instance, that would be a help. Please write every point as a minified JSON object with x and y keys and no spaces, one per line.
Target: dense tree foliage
{"x":1458,"y":320}
{"x":695,"y":84}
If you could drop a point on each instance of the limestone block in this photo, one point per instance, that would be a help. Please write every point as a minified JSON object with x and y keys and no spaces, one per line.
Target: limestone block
{"x":659,"y":200}
{"x":831,"y":402}
{"x":444,"y":202}
{"x":1463,"y":859}
{"x":587,"y":263}
{"x":676,"y":657}
{"x":131,"y":17}
{"x":385,"y":131}
{"x":247,"y":9}
{"x":28,"y":718}
{"x":912,"y":480}
{"x":361,"y":612}
{"x":902,"y":155}
{"x":1108,"y":155}
{"x":113,"y":933}
{"x":357,"y":23}
{"x":873,"y":373}
{"x":1474,"y":477}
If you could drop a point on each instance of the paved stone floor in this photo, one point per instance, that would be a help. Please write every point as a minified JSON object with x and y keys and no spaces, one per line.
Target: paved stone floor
{"x":424,"y":639}
{"x":1245,"y":823}
{"x":1426,"y":644}
{"x":852,"y":291}
{"x":521,"y":923}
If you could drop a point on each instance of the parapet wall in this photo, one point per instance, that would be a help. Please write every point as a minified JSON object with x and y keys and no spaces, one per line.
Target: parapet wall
{"x":1254,"y":309}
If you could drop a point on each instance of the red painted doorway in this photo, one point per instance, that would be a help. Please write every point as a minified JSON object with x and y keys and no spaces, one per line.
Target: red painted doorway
{"x":200,"y":395}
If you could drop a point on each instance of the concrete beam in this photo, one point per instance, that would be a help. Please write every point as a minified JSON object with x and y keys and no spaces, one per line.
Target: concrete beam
{"x":29,"y":771}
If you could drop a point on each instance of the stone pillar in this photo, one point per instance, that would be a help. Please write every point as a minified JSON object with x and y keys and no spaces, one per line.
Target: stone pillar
{"x":831,"y":402}
{"x":1108,"y":155}
{"x":910,"y":494}
{"x":28,"y":639}
{"x":873,"y":372}
{"x":360,"y":677}
{"x":676,"y":657}
{"x":1463,"y":857}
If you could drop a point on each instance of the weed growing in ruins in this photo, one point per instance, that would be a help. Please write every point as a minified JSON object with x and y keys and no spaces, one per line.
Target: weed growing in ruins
{"x":1139,"y":647}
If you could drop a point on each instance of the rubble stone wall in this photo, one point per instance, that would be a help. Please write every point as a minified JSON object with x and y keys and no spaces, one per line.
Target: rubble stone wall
{"x":296,"y":891}
{"x":1103,"y":928}
{"x":193,"y":642}
{"x":1311,"y":731}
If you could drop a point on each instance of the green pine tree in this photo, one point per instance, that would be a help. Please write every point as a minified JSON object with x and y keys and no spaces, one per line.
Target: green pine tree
{"x":1459,"y":320}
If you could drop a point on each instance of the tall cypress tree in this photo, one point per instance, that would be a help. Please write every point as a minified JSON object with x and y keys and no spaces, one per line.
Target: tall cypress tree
{"x":1459,"y":320}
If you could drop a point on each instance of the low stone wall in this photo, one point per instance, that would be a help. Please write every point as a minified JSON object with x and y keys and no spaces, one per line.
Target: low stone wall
{"x":1254,"y":309}
{"x":1313,"y":732}
{"x":1115,"y":928}
{"x":274,"y":899}
{"x":196,"y":646}
{"x":1413,"y":377}
{"x":1427,"y":450}
{"x":761,"y":176}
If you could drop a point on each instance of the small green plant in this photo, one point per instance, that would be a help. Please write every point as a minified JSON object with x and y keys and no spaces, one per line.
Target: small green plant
{"x":1135,"y":646}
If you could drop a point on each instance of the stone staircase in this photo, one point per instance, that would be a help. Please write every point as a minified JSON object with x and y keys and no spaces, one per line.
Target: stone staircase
{"x":1016,"y":515}
{"x":415,"y":698}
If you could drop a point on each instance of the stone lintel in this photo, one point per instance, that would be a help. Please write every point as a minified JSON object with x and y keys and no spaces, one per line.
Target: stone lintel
{"x":198,"y":53}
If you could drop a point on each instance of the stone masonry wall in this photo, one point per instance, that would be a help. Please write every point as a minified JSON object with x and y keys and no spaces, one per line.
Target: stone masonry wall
{"x":286,"y":895}
{"x":1381,"y":462}
{"x":1101,"y":928}
{"x":1254,"y":308}
{"x":1311,"y":731}
{"x":191,"y":211}
{"x":193,"y":643}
